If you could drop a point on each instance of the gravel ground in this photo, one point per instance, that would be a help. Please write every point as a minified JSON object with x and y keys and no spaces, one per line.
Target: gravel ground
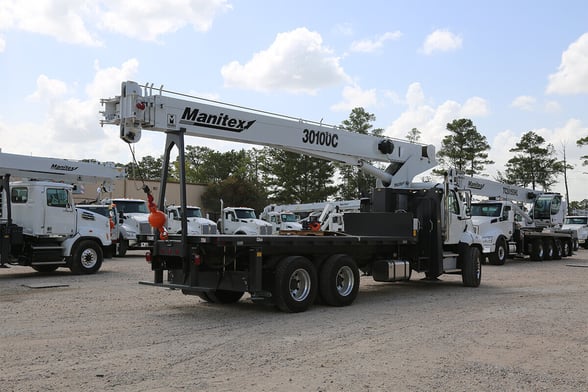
{"x":524,"y":329}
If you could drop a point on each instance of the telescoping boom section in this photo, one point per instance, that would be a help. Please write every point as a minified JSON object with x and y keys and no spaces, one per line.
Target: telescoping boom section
{"x":137,"y":108}
{"x":404,"y":227}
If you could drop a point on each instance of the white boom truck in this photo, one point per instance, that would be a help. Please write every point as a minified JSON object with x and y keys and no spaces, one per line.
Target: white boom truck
{"x":281,"y":221}
{"x":242,"y":221}
{"x":39,"y":223}
{"x":134,"y":230}
{"x":328,"y":214}
{"x":197,"y":224}
{"x":421,"y":227}
{"x":508,"y":230}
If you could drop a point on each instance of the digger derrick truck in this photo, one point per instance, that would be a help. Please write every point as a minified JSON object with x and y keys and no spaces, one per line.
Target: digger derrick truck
{"x":421,"y":227}
{"x":40,"y":226}
{"x":507,"y":229}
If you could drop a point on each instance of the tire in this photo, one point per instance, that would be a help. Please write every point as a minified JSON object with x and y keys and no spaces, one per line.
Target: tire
{"x":557,"y":249}
{"x":45,"y":268}
{"x":567,"y":250}
{"x":537,"y":250}
{"x":87,"y":258}
{"x":576,"y":245}
{"x":339,"y":281}
{"x":295,"y":284}
{"x":549,"y":249}
{"x":122,"y":247}
{"x":500,"y":253}
{"x":471,"y":266}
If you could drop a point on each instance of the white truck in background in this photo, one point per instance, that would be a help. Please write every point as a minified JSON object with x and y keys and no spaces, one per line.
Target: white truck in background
{"x":579,"y":225}
{"x":281,"y":220}
{"x":40,"y":226}
{"x":135,"y":232}
{"x":329,"y":215}
{"x":507,"y":229}
{"x":196,"y":223}
{"x":242,"y":221}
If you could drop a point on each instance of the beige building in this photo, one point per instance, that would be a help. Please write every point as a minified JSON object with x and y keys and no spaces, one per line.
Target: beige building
{"x":132,"y":189}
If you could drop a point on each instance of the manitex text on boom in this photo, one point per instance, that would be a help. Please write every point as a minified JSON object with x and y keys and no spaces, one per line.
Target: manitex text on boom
{"x":196,"y":117}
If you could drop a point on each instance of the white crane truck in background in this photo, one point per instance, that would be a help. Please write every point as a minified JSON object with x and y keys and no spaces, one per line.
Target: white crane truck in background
{"x":197,"y":224}
{"x":328,"y":214}
{"x":508,"y":230}
{"x":242,"y":221}
{"x":422,"y":227}
{"x":281,"y":221}
{"x":39,"y":223}
{"x":134,"y":231}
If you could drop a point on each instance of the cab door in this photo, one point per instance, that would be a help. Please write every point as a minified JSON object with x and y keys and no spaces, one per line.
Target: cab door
{"x":456,"y":224}
{"x":60,"y":215}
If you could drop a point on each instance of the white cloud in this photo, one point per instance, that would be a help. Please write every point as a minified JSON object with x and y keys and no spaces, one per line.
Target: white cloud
{"x":353,"y":97}
{"x":441,"y":41}
{"x":297,"y":61}
{"x":572,"y":74}
{"x":63,"y":20}
{"x":474,"y":107}
{"x":79,"y":21}
{"x":552,"y":107}
{"x":48,"y":89}
{"x":147,"y":20}
{"x":524,"y":102}
{"x":370,"y":45}
{"x":2,"y":44}
{"x":432,"y":120}
{"x":71,"y":123}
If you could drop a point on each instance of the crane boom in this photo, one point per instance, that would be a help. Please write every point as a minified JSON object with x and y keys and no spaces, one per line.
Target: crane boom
{"x":138,"y":108}
{"x":489,"y":188}
{"x":59,"y":170}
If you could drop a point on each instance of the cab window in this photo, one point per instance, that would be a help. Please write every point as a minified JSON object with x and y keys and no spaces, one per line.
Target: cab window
{"x":57,"y":197}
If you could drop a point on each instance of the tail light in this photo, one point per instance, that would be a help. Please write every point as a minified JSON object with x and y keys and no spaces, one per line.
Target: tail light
{"x":148,"y":257}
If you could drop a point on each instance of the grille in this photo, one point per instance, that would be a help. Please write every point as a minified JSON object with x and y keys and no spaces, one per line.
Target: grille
{"x":265,"y":230}
{"x":145,"y":228}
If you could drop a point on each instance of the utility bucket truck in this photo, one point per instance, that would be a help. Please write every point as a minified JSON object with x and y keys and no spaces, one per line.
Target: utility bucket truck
{"x":422,"y":227}
{"x":40,"y":226}
{"x":507,"y":229}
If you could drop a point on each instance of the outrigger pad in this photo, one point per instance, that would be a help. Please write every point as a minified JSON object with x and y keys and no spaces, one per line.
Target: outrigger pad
{"x":379,"y":224}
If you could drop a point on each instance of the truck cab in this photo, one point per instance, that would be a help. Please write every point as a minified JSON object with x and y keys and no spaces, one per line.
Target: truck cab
{"x":284,"y":220}
{"x":135,"y":232}
{"x":243,"y":221}
{"x":579,"y":225}
{"x":197,"y":224}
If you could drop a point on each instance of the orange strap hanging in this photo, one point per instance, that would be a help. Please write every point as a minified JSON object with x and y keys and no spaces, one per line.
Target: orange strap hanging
{"x":156,"y":218}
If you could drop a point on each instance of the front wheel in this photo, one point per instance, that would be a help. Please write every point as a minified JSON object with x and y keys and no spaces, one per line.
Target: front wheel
{"x":499,"y":255}
{"x":87,"y":258}
{"x":471,"y":268}
{"x":122,"y":247}
{"x":295,"y":284}
{"x":339,"y":281}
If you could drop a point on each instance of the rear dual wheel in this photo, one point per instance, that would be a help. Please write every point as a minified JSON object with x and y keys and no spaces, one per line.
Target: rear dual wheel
{"x":295,"y":284}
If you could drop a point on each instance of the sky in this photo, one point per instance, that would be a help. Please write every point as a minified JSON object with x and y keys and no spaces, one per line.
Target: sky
{"x":509,"y":66}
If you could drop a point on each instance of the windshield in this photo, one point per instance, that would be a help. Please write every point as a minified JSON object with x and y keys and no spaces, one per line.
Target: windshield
{"x":288,"y":218}
{"x":577,"y":220}
{"x":193,"y":212}
{"x":128,"y":206}
{"x":245,"y":214}
{"x":486,"y":210}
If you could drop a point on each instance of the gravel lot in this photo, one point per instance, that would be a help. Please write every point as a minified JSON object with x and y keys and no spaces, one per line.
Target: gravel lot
{"x":524,"y":329}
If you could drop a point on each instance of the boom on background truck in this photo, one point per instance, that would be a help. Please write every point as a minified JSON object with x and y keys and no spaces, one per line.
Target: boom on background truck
{"x":423,"y":227}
